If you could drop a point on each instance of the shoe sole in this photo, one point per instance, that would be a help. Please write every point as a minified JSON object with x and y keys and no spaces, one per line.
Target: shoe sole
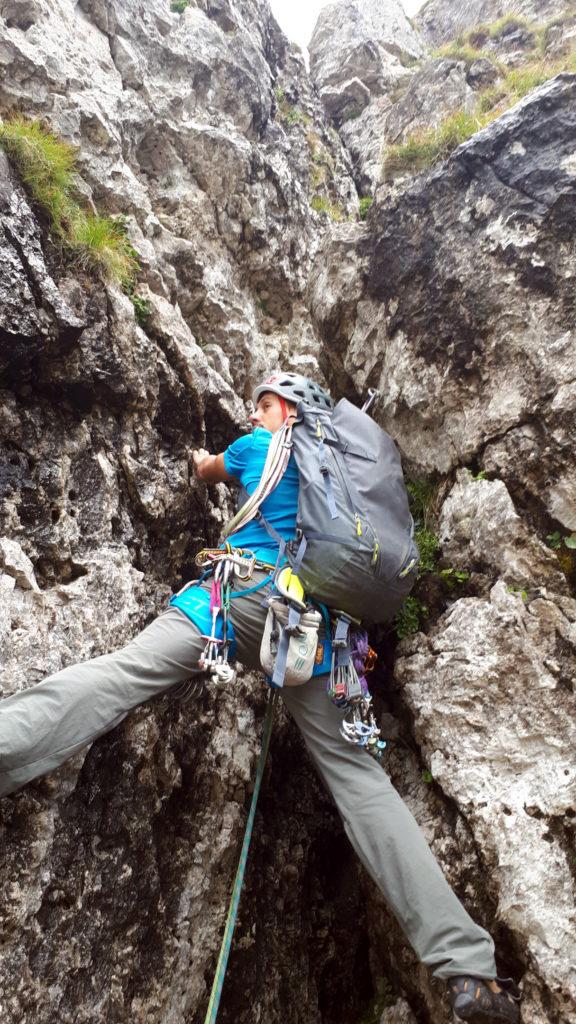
{"x":476,"y":1015}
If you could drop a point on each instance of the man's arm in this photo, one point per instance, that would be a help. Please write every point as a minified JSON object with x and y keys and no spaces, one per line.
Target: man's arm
{"x":210,"y":468}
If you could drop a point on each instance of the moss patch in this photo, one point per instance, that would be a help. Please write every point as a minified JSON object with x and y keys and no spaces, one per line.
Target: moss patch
{"x":364,"y":206}
{"x":410,"y":617}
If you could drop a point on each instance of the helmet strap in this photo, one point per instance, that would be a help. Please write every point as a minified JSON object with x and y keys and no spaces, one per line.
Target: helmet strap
{"x":284,"y":408}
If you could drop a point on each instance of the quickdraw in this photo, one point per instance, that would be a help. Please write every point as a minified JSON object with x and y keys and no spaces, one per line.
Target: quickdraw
{"x":352,"y":658}
{"x":224,"y":564}
{"x":214,"y":657}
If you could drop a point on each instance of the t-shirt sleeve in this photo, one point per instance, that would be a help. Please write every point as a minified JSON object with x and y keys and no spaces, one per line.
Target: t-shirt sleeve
{"x":237,"y":454}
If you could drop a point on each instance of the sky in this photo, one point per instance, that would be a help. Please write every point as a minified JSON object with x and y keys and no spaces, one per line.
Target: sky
{"x":298,"y":17}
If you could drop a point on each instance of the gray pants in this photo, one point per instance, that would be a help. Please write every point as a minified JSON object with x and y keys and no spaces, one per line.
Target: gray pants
{"x":42,"y":726}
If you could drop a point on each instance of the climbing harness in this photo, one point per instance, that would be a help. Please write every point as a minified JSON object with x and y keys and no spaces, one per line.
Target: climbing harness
{"x":351,"y":655}
{"x":237,"y":888}
{"x":223,"y":566}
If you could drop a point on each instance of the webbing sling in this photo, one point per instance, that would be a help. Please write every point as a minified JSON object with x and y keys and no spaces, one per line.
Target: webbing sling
{"x":237,"y":889}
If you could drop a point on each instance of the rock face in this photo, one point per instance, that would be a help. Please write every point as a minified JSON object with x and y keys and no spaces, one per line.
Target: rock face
{"x":440,"y":21}
{"x":458,"y":281}
{"x":360,"y":49}
{"x":455,"y":299}
{"x":200,"y":129}
{"x":485,"y":41}
{"x":487,"y":216}
{"x":174,"y":117}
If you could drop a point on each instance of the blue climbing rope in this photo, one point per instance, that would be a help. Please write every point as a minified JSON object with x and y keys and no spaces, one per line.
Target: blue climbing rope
{"x":237,"y":889}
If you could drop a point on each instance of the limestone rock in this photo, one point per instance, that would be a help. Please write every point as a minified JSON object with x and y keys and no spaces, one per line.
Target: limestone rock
{"x":489,"y":706}
{"x":440,"y":21}
{"x":180,"y":127}
{"x":360,"y":49}
{"x":455,"y":297}
{"x":437,"y":89}
{"x":449,"y":272}
{"x":27,"y":326}
{"x":467,"y":259}
{"x":479,"y":528}
{"x":400,"y":1013}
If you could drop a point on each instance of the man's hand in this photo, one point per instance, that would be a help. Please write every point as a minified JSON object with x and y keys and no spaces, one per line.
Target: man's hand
{"x":210,"y":468}
{"x":199,"y":454}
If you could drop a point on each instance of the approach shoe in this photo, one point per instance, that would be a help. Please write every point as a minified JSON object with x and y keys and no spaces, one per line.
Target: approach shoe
{"x":480,"y":1001}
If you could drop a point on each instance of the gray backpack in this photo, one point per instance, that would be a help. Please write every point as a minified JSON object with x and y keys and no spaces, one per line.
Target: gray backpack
{"x":355,"y":549}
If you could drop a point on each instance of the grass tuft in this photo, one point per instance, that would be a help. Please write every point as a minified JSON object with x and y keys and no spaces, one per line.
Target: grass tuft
{"x":430,"y":146}
{"x":100,"y":244}
{"x":461,"y":51}
{"x":321,"y":204}
{"x":47,"y":168}
{"x":45,"y":165}
{"x":506,"y":24}
{"x":288,"y":114}
{"x":179,"y":6}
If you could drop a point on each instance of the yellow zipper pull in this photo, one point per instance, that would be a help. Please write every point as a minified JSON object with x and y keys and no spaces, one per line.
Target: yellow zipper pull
{"x":358,"y":525}
{"x":375,"y":555}
{"x":319,"y":429}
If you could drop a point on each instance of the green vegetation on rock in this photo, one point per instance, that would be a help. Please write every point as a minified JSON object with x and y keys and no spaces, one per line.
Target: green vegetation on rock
{"x":461,"y":51}
{"x":47,"y":167}
{"x":179,"y":6}
{"x":364,"y":206}
{"x":498,"y":29}
{"x":518,"y":82}
{"x":142,"y":308}
{"x":321,"y":204}
{"x":422,"y":496}
{"x":410,"y":617}
{"x":288,"y":114}
{"x":322,"y":174}
{"x":427,"y":147}
{"x":432,"y":145}
{"x":100,"y":244}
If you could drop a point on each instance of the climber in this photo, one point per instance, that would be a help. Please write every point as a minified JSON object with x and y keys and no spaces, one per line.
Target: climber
{"x":44,"y":725}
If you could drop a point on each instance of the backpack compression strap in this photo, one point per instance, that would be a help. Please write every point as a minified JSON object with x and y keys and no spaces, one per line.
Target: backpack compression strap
{"x":275,"y":466}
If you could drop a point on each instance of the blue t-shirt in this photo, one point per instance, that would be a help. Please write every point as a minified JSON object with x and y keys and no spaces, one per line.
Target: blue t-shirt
{"x":244,"y":459}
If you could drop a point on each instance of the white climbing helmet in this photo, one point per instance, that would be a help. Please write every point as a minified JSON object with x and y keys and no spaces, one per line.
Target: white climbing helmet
{"x":293,"y":387}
